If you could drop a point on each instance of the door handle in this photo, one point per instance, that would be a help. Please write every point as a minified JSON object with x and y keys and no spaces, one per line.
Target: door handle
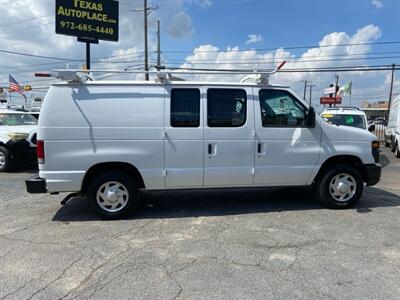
{"x":261,"y":149}
{"x":212,"y":149}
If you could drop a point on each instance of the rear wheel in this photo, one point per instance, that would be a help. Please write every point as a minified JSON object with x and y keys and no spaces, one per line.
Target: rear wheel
{"x":5,"y":160}
{"x":341,"y":186}
{"x":112,"y":195}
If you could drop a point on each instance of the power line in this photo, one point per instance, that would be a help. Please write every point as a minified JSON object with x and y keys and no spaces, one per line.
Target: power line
{"x":292,"y":62}
{"x":288,"y":57}
{"x":57,"y":58}
{"x":38,"y":56}
{"x":303,"y":70}
{"x":25,"y":21}
{"x":286,"y":48}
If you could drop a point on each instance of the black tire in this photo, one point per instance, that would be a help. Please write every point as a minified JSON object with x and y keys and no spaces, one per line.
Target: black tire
{"x":397,"y":150}
{"x":5,"y":160}
{"x":108,"y":177}
{"x":323,"y":186}
{"x":393,"y":146}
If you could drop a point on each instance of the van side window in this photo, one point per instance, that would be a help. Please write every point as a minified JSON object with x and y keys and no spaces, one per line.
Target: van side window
{"x":185,"y":107}
{"x":226,"y":107}
{"x":281,"y":109}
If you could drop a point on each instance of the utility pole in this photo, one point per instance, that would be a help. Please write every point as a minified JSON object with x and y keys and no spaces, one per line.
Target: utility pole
{"x":336,"y":85}
{"x":311,"y":87}
{"x":305,"y":88}
{"x":336,"y":88}
{"x":158,"y":46}
{"x":391,"y":89}
{"x":146,"y":50}
{"x":146,"y":10}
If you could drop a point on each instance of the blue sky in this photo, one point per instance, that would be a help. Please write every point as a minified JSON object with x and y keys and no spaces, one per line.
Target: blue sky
{"x":201,"y":26}
{"x":285,"y":22}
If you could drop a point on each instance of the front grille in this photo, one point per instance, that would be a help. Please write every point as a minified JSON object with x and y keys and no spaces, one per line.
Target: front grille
{"x":34,"y":138}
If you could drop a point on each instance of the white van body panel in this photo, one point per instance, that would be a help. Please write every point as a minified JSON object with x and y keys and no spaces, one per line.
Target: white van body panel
{"x":231,"y":161}
{"x":288,"y":155}
{"x":83,"y":125}
{"x":101,"y":124}
{"x":393,"y":128}
{"x":184,"y":155}
{"x":343,"y":140}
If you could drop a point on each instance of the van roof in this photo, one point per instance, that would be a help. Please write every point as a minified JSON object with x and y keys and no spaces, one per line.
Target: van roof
{"x":175,"y":83}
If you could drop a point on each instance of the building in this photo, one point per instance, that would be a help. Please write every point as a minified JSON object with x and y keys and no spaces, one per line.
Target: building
{"x":375,"y":109}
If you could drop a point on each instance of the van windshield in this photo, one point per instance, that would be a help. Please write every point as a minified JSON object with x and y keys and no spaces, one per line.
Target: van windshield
{"x":346,"y":120}
{"x":17,"y":119}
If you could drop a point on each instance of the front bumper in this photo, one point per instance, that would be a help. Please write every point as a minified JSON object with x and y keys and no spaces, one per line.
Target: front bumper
{"x":36,"y":185}
{"x":373,"y":173}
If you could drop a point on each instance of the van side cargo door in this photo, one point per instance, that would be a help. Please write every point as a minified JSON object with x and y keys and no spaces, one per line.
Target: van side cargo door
{"x":183,"y":137}
{"x":228,"y":137}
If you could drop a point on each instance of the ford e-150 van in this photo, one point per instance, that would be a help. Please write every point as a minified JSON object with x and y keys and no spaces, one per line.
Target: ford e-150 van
{"x":106,"y":140}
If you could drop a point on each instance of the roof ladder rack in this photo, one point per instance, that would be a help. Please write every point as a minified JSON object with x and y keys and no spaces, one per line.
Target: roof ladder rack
{"x":82,"y":76}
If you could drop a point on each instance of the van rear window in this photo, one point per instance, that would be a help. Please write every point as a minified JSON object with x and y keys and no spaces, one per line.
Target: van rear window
{"x":185,"y":108}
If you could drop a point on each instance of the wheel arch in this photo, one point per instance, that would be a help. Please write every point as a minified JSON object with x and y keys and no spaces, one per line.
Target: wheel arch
{"x":112,"y":166}
{"x":352,"y":160}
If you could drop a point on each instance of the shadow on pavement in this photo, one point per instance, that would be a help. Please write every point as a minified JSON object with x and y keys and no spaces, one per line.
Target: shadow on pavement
{"x":183,"y":204}
{"x":384,"y":160}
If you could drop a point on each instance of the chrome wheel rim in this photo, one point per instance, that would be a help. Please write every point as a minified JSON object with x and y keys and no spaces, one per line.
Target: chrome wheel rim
{"x":112,"y":196}
{"x":2,"y":159}
{"x":343,"y":187}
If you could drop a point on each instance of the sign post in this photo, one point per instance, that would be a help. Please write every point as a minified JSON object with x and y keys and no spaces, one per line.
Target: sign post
{"x":89,"y":20}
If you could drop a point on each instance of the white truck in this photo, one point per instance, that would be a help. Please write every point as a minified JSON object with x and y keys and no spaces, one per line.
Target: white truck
{"x":17,"y":139}
{"x":346,"y":116}
{"x":106,"y":140}
{"x":393,"y":128}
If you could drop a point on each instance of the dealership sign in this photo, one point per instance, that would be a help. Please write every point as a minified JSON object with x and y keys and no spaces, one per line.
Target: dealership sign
{"x":91,"y":19}
{"x":331,"y":90}
{"x":330,"y":100}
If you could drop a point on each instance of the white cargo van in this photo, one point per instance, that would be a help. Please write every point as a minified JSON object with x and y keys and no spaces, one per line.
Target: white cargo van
{"x":108,"y":139}
{"x":393,"y":128}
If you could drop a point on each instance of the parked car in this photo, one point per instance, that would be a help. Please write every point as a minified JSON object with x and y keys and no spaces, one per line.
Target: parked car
{"x":18,"y":132}
{"x":347,"y":116}
{"x":393,"y":128}
{"x":107,"y":139}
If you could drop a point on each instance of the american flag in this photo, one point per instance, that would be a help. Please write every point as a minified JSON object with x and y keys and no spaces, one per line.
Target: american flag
{"x":13,"y":85}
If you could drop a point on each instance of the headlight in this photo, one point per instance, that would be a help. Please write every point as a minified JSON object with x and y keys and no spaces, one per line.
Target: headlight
{"x":375,"y":145}
{"x":18,"y":136}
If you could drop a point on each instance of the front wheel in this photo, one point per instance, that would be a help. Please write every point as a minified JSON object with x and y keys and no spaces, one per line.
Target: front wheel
{"x":112,"y":195}
{"x":341,"y":186}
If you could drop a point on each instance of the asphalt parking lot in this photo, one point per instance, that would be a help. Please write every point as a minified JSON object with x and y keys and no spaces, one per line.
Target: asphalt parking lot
{"x":242,"y":244}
